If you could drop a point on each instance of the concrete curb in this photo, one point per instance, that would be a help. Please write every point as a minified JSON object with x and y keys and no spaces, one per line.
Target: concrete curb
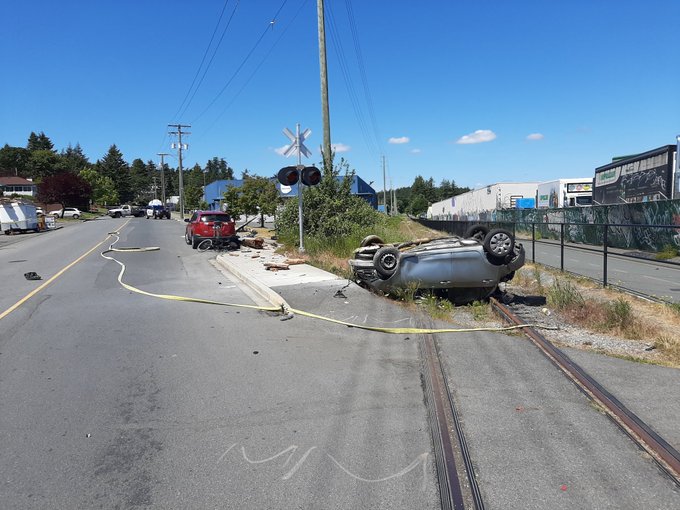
{"x":259,"y":287}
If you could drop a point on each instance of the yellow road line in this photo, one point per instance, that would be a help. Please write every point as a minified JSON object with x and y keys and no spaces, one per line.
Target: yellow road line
{"x":35,"y":291}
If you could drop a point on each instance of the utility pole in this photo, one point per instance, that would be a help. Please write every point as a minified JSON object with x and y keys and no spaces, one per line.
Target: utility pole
{"x":325,"y":116}
{"x":384,"y":185}
{"x":180,"y":147}
{"x":162,"y":155}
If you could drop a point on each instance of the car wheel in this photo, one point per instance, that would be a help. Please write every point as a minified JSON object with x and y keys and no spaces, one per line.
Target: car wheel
{"x":477,"y":232}
{"x":499,"y":243}
{"x":386,"y":260}
{"x":76,"y":216}
{"x":187,"y":238}
{"x":372,"y":239}
{"x":195,"y":242}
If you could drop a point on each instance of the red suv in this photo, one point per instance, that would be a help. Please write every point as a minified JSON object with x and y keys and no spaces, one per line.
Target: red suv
{"x":201,"y":226}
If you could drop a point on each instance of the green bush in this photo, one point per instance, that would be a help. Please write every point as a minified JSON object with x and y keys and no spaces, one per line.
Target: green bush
{"x":334,"y":219}
{"x":563,"y":294}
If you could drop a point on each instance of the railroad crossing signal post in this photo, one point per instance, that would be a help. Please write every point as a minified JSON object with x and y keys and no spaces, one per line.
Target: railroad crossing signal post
{"x":299,"y":174}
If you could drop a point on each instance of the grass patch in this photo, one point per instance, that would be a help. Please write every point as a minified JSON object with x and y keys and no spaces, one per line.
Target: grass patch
{"x":668,"y":252}
{"x":563,"y":295}
{"x":436,"y":308}
{"x":480,"y":311}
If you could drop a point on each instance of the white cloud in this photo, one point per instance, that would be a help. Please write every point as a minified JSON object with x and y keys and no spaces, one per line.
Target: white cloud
{"x":400,"y":140}
{"x":415,"y":151}
{"x":340,"y":147}
{"x":535,"y":136}
{"x":281,"y":150}
{"x":479,"y":136}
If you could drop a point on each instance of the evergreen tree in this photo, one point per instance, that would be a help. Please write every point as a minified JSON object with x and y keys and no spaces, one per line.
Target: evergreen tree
{"x":115,"y":168}
{"x":39,"y":142}
{"x":140,"y":181}
{"x":73,"y":159}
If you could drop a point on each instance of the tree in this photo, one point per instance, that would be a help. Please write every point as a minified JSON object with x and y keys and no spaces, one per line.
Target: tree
{"x":115,"y":168}
{"x":217,"y":169}
{"x":259,"y":195}
{"x":14,"y":161}
{"x":140,"y":181}
{"x":73,"y":159}
{"x":65,"y":189}
{"x":103,"y":189}
{"x":43,"y":163}
{"x":39,"y":142}
{"x":331,"y":211}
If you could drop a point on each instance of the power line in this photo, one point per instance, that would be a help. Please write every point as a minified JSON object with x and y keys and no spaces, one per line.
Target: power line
{"x":205,"y":71}
{"x":362,"y":72}
{"x":205,"y":54}
{"x":247,"y":57}
{"x":257,"y":68}
{"x":353,"y":96}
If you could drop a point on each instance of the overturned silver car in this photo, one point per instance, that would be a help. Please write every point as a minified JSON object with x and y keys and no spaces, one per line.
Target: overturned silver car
{"x":463,"y":269}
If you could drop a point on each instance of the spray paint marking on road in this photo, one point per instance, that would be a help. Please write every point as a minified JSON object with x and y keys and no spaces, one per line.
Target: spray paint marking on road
{"x":420,"y":459}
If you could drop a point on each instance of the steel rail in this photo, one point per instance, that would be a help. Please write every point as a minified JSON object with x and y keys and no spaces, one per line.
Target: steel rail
{"x":666,"y":457}
{"x":458,"y":488}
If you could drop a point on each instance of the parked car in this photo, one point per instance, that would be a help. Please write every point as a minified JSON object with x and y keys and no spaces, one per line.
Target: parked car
{"x":463,"y":269}
{"x":206,"y":224}
{"x":68,"y":212}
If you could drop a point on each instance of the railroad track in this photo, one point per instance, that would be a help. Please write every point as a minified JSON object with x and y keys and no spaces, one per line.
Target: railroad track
{"x":458,"y":486}
{"x":666,"y":457}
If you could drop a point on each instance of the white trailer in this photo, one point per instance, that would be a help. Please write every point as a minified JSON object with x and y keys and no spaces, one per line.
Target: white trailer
{"x":478,"y":203}
{"x":561,"y":193}
{"x":18,"y":217}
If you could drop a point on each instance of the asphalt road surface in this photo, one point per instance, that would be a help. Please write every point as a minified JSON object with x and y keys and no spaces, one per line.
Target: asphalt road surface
{"x":114,"y":399}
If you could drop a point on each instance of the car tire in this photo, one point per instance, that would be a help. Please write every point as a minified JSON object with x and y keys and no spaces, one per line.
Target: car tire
{"x":372,"y":239}
{"x":386,"y":261}
{"x":187,"y":238}
{"x":477,"y":232}
{"x":499,"y":243}
{"x":195,"y":242}
{"x":76,"y":216}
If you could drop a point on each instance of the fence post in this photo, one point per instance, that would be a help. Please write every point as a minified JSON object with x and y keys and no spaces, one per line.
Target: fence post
{"x":562,"y":247}
{"x":604,"y":253}
{"x":533,"y":242}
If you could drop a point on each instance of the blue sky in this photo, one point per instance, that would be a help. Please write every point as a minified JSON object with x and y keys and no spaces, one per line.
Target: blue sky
{"x":477,"y":92}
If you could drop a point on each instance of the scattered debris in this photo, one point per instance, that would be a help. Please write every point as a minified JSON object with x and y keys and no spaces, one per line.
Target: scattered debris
{"x":340,"y":294}
{"x":272,"y":266}
{"x":32,"y":275}
{"x":287,"y":317}
{"x":253,"y":242}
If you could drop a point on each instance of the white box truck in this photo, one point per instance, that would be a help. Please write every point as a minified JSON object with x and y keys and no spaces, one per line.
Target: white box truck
{"x":561,"y":193}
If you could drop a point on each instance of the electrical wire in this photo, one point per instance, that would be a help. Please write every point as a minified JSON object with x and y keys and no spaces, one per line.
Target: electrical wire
{"x":257,"y":68}
{"x":205,"y":54}
{"x":243,"y":62}
{"x":362,"y":73}
{"x":346,"y":74}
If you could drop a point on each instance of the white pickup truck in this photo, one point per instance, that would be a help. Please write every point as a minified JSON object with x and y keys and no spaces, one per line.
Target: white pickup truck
{"x":126,"y":210}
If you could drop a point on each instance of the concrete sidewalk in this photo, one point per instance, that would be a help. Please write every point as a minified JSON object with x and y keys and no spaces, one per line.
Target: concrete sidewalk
{"x":248,"y":265}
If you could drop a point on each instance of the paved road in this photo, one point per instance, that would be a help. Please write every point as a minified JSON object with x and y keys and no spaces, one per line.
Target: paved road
{"x":112,"y":399}
{"x":647,"y":277}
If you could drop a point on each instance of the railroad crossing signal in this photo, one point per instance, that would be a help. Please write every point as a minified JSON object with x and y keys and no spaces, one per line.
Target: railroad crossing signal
{"x":297,"y":146}
{"x":290,"y":175}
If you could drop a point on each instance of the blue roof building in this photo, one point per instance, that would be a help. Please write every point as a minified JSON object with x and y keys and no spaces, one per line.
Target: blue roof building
{"x":213,"y":192}
{"x":359,"y":187}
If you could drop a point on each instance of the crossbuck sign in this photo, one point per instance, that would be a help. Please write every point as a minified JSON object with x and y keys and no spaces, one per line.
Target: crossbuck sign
{"x":297,"y":145}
